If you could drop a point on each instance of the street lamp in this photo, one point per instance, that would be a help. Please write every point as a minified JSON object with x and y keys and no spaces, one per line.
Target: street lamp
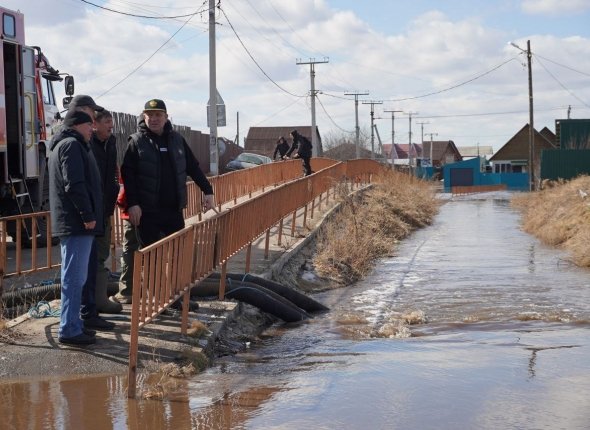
{"x":531,"y":126}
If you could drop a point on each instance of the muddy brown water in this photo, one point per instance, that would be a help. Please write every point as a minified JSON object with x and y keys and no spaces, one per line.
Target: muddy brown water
{"x":473,"y":325}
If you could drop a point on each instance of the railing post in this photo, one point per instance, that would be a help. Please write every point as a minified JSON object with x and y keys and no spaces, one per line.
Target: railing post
{"x":280,"y":232}
{"x":267,"y":244}
{"x":248,"y":256}
{"x":305,"y":216}
{"x":134,"y":332}
{"x":293,"y":223}
{"x":222,"y":280}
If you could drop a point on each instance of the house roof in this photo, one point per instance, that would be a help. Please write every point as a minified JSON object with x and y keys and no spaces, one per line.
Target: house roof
{"x":402,"y":150}
{"x":475,"y":151}
{"x":517,"y":148}
{"x":439,"y":148}
{"x":347,"y":151}
{"x":273,"y":133}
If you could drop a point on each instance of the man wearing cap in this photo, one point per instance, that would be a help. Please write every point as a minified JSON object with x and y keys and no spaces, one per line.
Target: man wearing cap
{"x":76,"y":217}
{"x":154,"y":171}
{"x":89,"y":309}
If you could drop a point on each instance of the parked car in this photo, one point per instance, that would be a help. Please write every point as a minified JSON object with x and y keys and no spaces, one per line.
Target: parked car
{"x":246,"y":160}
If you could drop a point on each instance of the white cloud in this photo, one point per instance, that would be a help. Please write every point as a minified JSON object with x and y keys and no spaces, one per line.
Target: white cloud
{"x":556,"y":7}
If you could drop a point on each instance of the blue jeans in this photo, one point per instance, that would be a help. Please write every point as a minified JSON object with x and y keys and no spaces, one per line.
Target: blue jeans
{"x":88,"y":309}
{"x":75,"y":254}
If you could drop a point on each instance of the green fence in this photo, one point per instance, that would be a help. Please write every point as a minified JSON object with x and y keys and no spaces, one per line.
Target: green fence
{"x":564,"y":163}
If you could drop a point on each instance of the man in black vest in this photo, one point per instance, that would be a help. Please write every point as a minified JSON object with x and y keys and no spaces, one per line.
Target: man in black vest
{"x":154,"y":171}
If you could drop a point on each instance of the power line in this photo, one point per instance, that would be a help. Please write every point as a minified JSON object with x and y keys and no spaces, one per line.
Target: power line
{"x":562,"y":65}
{"x":560,"y":84}
{"x":331,"y":119}
{"x":254,"y":60}
{"x":149,"y":58}
{"x":142,"y":16}
{"x":454,"y":86}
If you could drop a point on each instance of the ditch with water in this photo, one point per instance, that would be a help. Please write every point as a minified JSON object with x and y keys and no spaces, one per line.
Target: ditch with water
{"x":472,"y":324}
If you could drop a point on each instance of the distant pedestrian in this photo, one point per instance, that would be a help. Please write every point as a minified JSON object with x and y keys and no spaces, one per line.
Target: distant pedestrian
{"x":75,"y":200}
{"x":281,"y":148}
{"x":303,"y":147}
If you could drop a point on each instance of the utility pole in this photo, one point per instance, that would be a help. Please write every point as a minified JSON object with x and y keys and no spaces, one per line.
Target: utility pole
{"x":422,"y":127}
{"x":213,"y":148}
{"x":314,"y":135}
{"x":531,"y":127}
{"x":410,"y":140}
{"x":392,"y":132}
{"x":431,"y":160}
{"x":531,"y":166}
{"x":372,"y":103}
{"x":356,"y":117}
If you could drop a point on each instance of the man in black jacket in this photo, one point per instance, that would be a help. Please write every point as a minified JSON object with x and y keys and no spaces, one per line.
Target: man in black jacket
{"x":75,"y":199}
{"x":281,"y":148}
{"x":303,"y":147}
{"x":154,"y":171}
{"x":104,"y":148}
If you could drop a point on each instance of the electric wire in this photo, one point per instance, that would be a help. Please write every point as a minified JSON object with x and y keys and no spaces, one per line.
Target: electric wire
{"x":254,"y":60}
{"x":331,"y":119}
{"x":454,"y":86}
{"x":559,"y":82}
{"x":141,"y":16}
{"x":149,"y":58}
{"x":278,"y":112}
{"x":561,"y":65}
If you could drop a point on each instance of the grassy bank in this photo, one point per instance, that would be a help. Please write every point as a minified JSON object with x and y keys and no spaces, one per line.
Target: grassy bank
{"x":560,"y":216}
{"x":368,"y":226}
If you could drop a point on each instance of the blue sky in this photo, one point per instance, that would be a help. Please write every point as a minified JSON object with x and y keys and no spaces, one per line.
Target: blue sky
{"x":400,"y":51}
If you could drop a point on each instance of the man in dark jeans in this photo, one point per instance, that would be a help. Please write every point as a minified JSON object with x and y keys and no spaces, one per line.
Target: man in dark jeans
{"x":303,"y":147}
{"x":154,"y":171}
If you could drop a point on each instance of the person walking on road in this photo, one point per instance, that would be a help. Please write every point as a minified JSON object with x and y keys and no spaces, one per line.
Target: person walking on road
{"x":75,"y":200}
{"x":303,"y":147}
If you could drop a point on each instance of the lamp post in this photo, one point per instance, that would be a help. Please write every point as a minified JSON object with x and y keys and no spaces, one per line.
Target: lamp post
{"x":531,"y":165}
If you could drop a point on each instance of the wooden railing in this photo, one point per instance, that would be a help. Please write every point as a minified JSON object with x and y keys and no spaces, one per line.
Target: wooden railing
{"x":159,"y":279}
{"x":25,"y":261}
{"x":472,"y":189}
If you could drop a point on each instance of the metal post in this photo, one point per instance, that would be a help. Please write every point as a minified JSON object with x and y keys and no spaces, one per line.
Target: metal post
{"x":372,"y":103}
{"x":531,"y":124}
{"x":393,"y":151}
{"x":356,"y":117}
{"x":213,"y":149}
{"x":314,"y":133}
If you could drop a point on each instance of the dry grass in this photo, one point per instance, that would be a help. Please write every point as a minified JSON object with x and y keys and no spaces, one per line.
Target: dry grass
{"x":367,"y":227}
{"x":560,"y":216}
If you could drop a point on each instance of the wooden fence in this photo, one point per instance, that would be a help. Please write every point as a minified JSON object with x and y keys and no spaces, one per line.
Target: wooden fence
{"x":167,"y":270}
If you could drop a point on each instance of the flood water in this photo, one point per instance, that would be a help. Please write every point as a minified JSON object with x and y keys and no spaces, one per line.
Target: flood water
{"x":472,"y":325}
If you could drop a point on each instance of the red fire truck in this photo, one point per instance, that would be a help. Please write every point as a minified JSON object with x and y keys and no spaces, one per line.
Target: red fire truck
{"x":28,"y":111}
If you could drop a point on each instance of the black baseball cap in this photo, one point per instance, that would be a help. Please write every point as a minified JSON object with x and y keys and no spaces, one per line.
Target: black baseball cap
{"x":155,"y":104}
{"x":82,"y":100}
{"x":75,"y":117}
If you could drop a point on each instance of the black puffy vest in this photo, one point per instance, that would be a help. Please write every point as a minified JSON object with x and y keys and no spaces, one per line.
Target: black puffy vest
{"x":148,"y":174}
